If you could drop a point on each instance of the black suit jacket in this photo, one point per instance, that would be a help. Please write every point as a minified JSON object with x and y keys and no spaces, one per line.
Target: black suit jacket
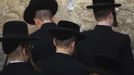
{"x":19,"y":69}
{"x":62,"y":64}
{"x":103,"y":40}
{"x":43,"y":47}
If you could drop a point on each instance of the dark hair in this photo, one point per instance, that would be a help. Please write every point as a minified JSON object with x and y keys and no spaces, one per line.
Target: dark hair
{"x":43,"y":14}
{"x":27,"y":46}
{"x":65,"y":43}
{"x":101,"y":13}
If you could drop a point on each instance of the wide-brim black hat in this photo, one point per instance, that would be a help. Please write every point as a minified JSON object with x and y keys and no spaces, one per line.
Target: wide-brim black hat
{"x":107,"y":65}
{"x":66,"y":29}
{"x":14,"y":32}
{"x":99,"y":5}
{"x":103,"y":4}
{"x":35,"y":5}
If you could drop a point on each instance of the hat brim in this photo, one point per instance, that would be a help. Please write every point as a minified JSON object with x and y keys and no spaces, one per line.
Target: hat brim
{"x":106,"y":5}
{"x":30,"y":11}
{"x":58,"y":31}
{"x":18,"y":38}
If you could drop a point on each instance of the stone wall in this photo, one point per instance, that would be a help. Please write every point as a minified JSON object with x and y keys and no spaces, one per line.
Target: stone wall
{"x":13,"y":10}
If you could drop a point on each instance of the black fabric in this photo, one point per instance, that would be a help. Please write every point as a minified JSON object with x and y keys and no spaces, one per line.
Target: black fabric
{"x":62,"y":64}
{"x":19,"y":69}
{"x":66,"y":29}
{"x":35,"y":5}
{"x":43,"y":47}
{"x":99,"y":5}
{"x":14,"y":32}
{"x":103,"y":40}
{"x":103,"y":4}
{"x":108,"y":65}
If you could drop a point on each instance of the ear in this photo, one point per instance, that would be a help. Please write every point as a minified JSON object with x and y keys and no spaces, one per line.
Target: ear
{"x":24,"y":52}
{"x":73,"y":44}
{"x":36,"y":21}
{"x":54,"y":42}
{"x":111,"y":14}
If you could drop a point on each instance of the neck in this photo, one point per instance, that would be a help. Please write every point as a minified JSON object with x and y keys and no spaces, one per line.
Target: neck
{"x":106,"y":23}
{"x":64,"y":51}
{"x":15,"y":61}
{"x":47,"y":21}
{"x":44,"y":22}
{"x":11,"y":60}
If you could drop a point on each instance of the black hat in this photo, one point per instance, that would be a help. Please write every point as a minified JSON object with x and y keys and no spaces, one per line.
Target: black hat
{"x":35,"y":5}
{"x":14,"y":32}
{"x":65,"y":30}
{"x":103,"y":4}
{"x":99,"y":5}
{"x":107,"y":65}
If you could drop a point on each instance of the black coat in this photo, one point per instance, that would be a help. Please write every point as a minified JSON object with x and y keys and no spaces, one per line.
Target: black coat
{"x":103,"y":40}
{"x":43,"y":47}
{"x":62,"y":64}
{"x":19,"y":69}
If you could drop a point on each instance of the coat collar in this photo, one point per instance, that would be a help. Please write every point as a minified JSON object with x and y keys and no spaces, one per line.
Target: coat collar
{"x":19,"y":65}
{"x":103,"y":28}
{"x":62,"y":55}
{"x":46,"y":26}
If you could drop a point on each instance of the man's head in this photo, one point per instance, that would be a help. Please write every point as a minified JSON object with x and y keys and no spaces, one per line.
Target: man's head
{"x":67,"y":45}
{"x":42,"y":16}
{"x":104,"y":10}
{"x":104,"y":15}
{"x":36,"y":6}
{"x":15,"y":36}
{"x":66,"y":34}
{"x":21,"y":52}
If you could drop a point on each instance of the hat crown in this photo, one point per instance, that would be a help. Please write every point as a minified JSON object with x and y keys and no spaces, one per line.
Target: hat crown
{"x":65,"y":30}
{"x":13,"y":31}
{"x":69,"y":25}
{"x":35,"y":5}
{"x":15,"y":28}
{"x":103,"y":1}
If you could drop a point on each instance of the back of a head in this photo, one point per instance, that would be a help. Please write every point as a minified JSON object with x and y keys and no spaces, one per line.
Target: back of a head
{"x":66,"y":34}
{"x":13,"y":31}
{"x":64,"y":43}
{"x":44,"y":15}
{"x":101,"y":14}
{"x":17,"y":51}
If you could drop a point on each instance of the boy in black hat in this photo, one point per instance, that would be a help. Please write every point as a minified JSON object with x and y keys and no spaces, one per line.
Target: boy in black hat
{"x":66,"y":34}
{"x":40,"y":13}
{"x":15,"y":42}
{"x":102,"y":39}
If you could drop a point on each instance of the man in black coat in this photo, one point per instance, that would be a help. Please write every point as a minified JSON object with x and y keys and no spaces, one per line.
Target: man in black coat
{"x":103,"y":40}
{"x":66,"y":34}
{"x":15,"y":43}
{"x":106,"y":65}
{"x":40,"y":13}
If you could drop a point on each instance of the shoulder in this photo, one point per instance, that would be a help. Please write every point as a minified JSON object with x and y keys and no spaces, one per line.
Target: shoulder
{"x":35,"y":33}
{"x":87,"y":31}
{"x":46,"y":61}
{"x":121,"y":35}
